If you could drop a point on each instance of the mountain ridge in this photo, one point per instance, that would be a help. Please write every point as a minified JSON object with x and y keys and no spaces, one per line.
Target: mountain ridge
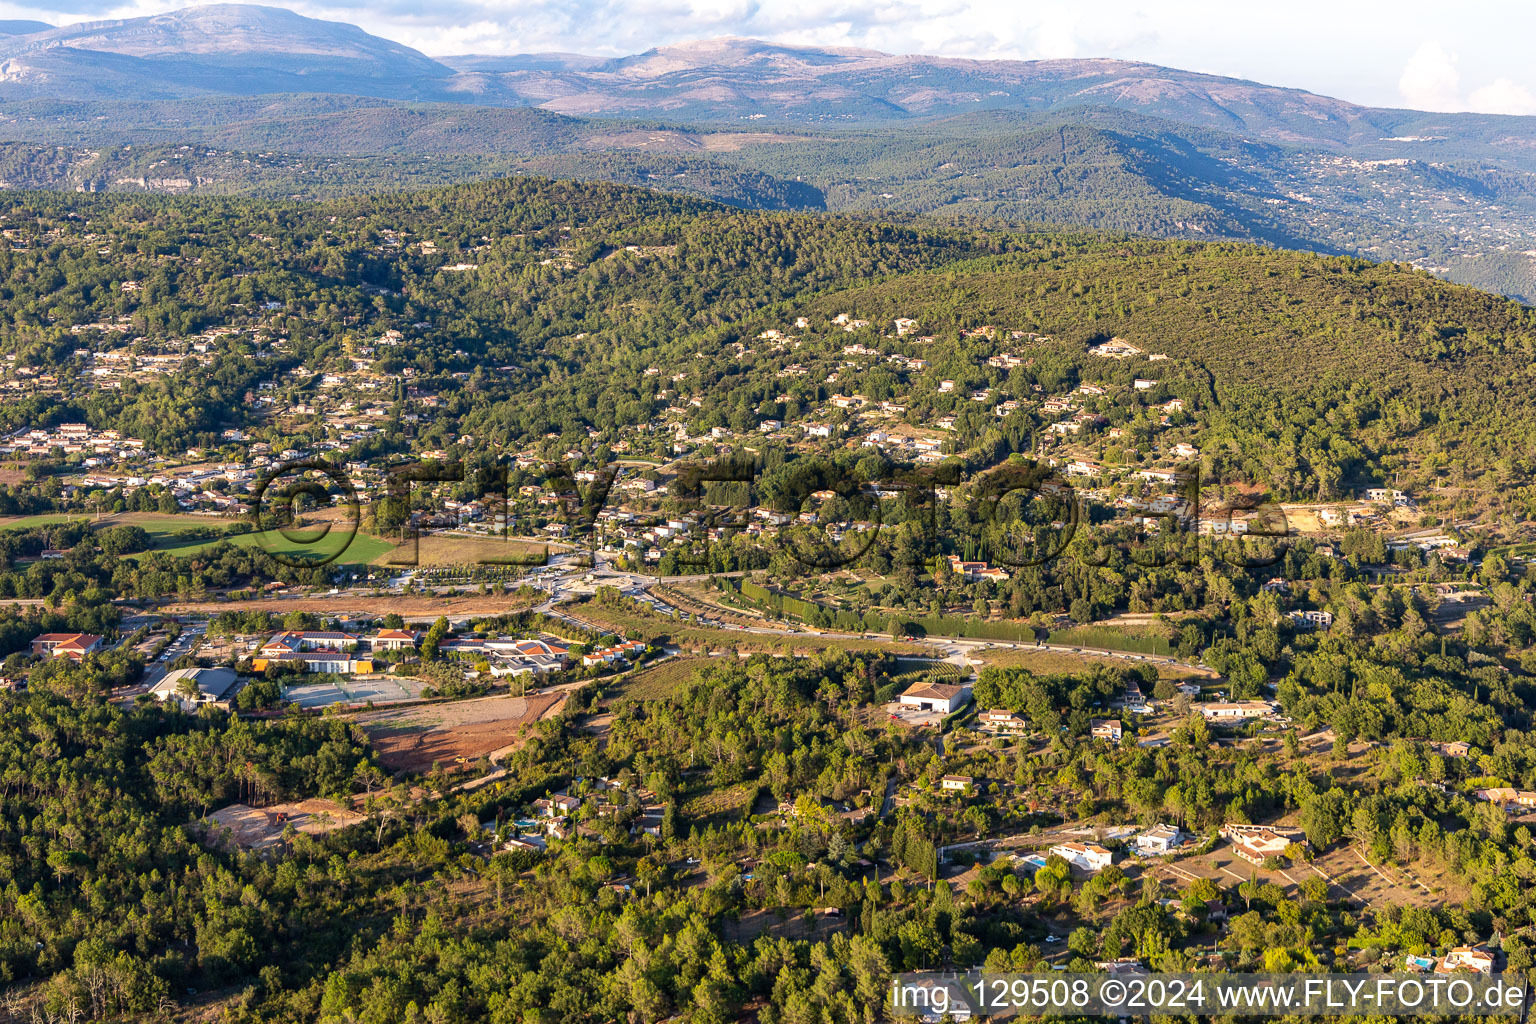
{"x":1115,"y":145}
{"x":265,"y":49}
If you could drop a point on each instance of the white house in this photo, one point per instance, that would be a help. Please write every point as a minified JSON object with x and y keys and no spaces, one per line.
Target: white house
{"x":1107,"y":729}
{"x":1087,"y":856}
{"x":1235,"y":712}
{"x":1159,"y":839}
{"x":1466,"y":958}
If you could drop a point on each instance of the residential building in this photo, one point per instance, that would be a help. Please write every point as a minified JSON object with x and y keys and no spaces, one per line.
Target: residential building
{"x":1003,"y":721}
{"x":618,"y":652}
{"x":1107,"y":729}
{"x":1508,"y":798}
{"x":533,"y":844}
{"x":955,"y":783}
{"x":973,"y":571}
{"x":1235,"y":712}
{"x":1085,"y":856}
{"x":1466,"y":958}
{"x":1257,"y":843}
{"x":1160,"y":839}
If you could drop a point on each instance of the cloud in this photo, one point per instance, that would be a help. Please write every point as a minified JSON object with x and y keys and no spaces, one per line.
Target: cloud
{"x":1430,"y":80}
{"x":1502,"y":96}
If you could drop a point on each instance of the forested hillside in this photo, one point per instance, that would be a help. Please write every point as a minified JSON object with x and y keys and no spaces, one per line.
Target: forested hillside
{"x":609,"y":281}
{"x":1466,"y":212}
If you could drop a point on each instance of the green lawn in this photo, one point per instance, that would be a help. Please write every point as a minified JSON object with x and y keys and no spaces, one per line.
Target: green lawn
{"x":154,"y":523}
{"x":46,"y":519}
{"x":362,"y":548}
{"x":167,"y":533}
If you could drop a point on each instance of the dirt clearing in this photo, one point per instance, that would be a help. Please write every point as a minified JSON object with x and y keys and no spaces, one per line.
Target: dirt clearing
{"x":261,"y":828}
{"x":416,"y":738}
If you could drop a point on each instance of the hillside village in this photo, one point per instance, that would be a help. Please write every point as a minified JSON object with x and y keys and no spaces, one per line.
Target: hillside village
{"x":1125,"y":442}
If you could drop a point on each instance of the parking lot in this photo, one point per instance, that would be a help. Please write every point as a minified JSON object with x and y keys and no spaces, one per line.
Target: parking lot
{"x":183,"y":644}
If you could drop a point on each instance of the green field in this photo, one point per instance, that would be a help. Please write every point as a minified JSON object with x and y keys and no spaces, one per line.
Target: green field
{"x":361,"y":549}
{"x":168,"y":533}
{"x":154,"y":523}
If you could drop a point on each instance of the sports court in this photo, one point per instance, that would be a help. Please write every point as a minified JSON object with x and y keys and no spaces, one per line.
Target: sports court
{"x":359,"y":689}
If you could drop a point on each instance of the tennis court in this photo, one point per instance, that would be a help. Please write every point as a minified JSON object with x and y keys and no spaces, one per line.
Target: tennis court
{"x":358,"y":689}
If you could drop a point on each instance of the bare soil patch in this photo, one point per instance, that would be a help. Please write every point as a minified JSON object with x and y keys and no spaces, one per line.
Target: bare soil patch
{"x":261,"y":828}
{"x":416,"y":738}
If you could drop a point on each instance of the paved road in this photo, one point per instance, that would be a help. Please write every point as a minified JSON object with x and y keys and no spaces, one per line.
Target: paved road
{"x":564,"y":579}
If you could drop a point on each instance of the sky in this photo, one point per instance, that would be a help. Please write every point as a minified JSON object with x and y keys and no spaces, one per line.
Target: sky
{"x":1472,"y":56}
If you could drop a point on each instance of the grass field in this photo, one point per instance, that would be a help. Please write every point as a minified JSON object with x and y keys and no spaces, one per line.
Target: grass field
{"x":154,"y":523}
{"x":168,"y":532}
{"x":360,"y":549}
